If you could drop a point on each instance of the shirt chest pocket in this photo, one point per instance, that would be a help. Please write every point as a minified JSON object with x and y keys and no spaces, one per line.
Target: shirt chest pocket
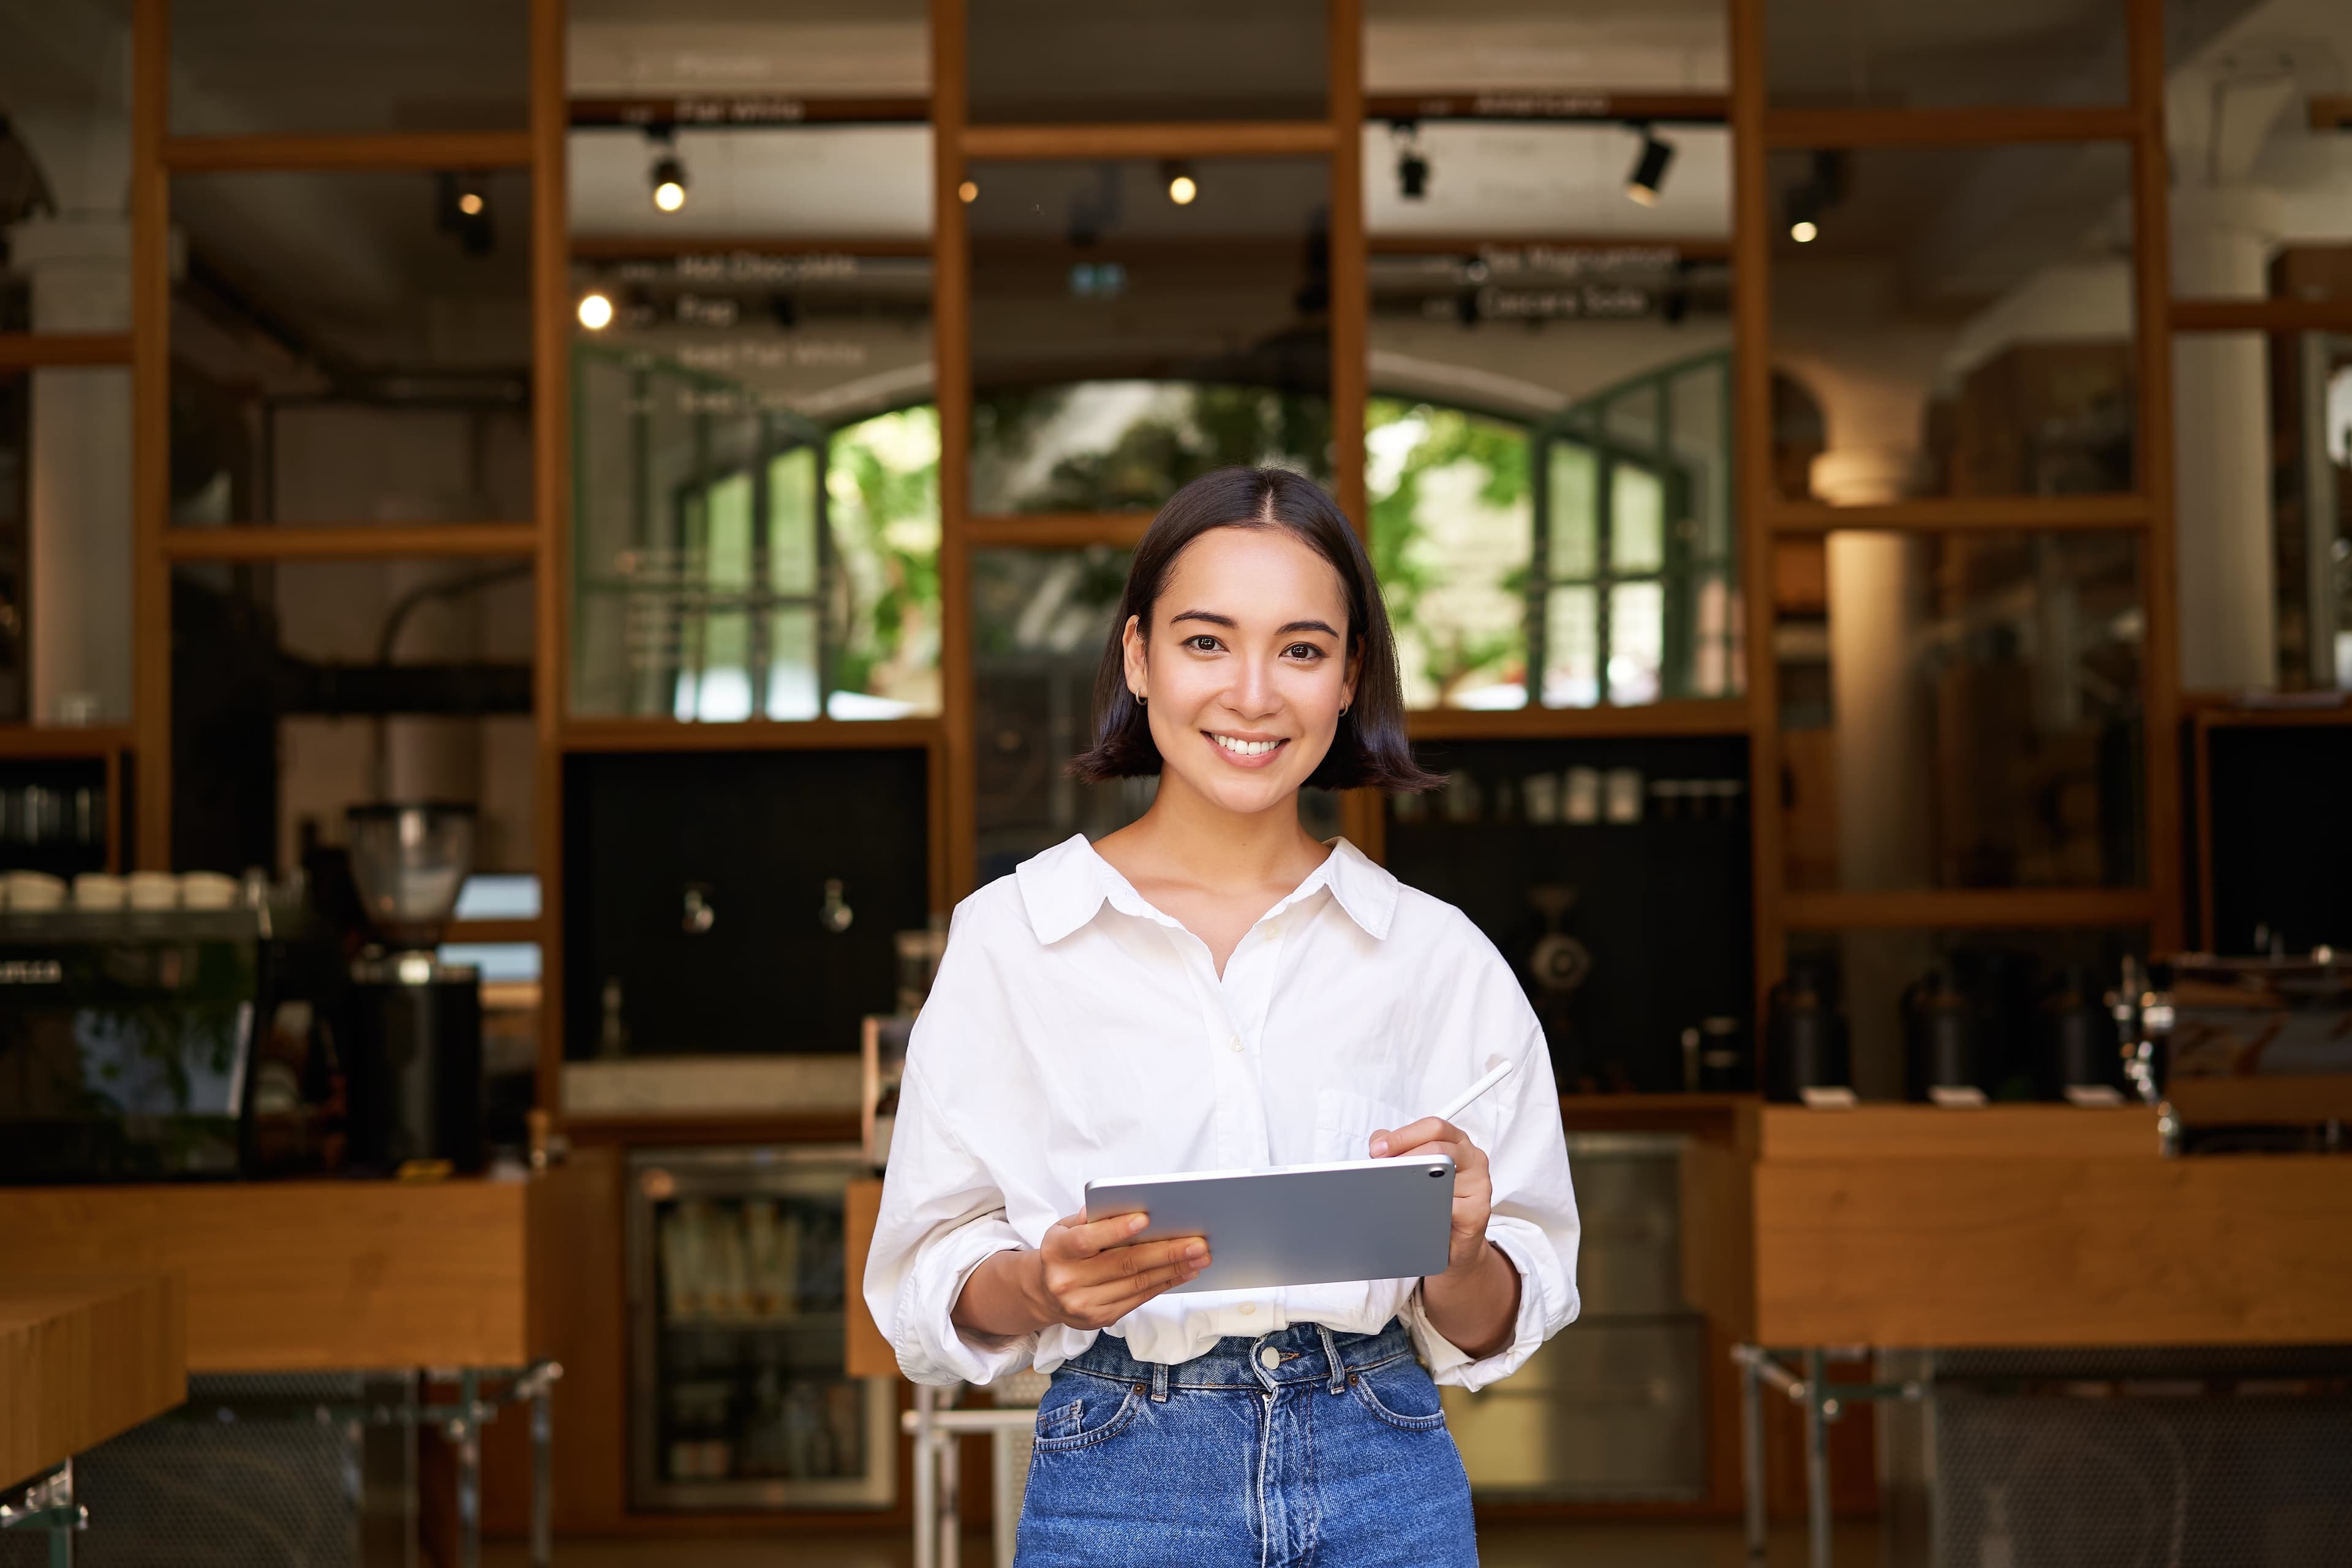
{"x":1346,"y":1120}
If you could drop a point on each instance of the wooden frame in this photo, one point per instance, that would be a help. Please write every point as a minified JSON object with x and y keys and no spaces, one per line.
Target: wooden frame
{"x":1972,"y":127}
{"x":2146,"y":510}
{"x":351,"y":541}
{"x":1173,"y":138}
{"x":1543,"y":107}
{"x":2261,"y":315}
{"x":550,"y":541}
{"x":1954,"y":514}
{"x":42,"y":351}
{"x":1056,"y":530}
{"x":1694,"y":716}
{"x":150,"y":440}
{"x":394,"y":151}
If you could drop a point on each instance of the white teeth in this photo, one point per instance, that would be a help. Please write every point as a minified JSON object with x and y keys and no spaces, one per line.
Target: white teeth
{"x":1245,"y":747}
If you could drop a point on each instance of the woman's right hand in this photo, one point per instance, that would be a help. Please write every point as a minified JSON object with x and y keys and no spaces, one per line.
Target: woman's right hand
{"x":1087,"y":1274}
{"x":1090,"y":1276}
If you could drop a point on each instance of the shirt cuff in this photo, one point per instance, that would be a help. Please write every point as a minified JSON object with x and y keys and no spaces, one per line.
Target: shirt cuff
{"x":1546,"y":1304}
{"x":926,"y":1318}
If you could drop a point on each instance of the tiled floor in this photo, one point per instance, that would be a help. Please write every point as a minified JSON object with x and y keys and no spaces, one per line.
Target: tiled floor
{"x":1500,"y":1546}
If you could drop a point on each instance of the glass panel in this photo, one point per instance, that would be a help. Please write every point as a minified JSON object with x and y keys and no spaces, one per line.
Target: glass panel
{"x":2257,"y":210}
{"x":1040,"y":621}
{"x":352,"y":348}
{"x":1594,"y":46}
{"x":734,"y":563}
{"x":1575,"y":510}
{"x":1637,"y":519}
{"x":1892,"y":54}
{"x":1559,"y":850}
{"x":65,"y":167}
{"x":1961,"y":319}
{"x":244,"y":67}
{"x":1500,"y":182}
{"x":1637,"y":637}
{"x":1961,"y":711}
{"x":2264,"y":428}
{"x":65,"y":546}
{"x":1041,"y":60}
{"x":735,"y":61}
{"x":2011,"y":987}
{"x":1452,"y":530}
{"x":1124,"y":342}
{"x":1610,"y":350}
{"x":1572,"y":649}
{"x":299,"y":690}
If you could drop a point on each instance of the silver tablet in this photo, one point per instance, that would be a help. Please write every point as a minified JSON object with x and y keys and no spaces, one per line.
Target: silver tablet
{"x":1296,"y":1224}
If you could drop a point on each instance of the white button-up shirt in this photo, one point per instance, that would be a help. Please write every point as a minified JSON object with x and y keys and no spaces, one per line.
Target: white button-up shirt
{"x":1075,"y":1033}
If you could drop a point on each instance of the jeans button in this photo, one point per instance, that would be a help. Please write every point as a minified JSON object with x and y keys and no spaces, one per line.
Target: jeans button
{"x":1269,"y":1358}
{"x":1247,"y":1308}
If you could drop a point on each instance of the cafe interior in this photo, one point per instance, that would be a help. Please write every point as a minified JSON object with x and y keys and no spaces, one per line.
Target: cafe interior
{"x":546,"y":544}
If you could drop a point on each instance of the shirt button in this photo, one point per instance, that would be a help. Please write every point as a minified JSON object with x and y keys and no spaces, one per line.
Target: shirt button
{"x":1248,"y":1308}
{"x":1269,"y":1358}
{"x":1273,"y":929}
{"x":1235,"y":1043}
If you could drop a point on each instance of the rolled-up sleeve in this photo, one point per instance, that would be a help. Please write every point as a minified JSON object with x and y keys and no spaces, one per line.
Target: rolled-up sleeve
{"x":943,"y":1216}
{"x":1532,"y":1222}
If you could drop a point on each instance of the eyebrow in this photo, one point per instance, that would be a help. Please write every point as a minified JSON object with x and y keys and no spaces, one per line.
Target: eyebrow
{"x":1287,"y":627}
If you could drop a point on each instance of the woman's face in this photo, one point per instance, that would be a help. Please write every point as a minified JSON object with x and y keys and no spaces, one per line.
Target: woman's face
{"x":1247,"y":666}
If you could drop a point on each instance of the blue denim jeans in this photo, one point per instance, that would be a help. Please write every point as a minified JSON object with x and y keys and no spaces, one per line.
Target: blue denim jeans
{"x":1302,"y":1448}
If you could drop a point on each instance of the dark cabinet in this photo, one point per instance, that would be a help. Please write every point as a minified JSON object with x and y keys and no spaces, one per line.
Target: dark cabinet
{"x":737,"y":902}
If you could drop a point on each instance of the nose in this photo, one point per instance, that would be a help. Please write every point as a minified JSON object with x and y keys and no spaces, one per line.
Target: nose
{"x":1253,"y":694}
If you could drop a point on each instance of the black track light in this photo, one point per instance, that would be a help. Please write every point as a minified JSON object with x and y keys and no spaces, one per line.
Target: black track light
{"x":1649,"y":175}
{"x":1413,"y":164}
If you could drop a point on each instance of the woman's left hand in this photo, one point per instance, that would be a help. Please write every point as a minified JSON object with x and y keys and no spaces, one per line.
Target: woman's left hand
{"x":1474,"y":1187}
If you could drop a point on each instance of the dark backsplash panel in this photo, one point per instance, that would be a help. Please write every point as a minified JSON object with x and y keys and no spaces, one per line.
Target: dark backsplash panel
{"x":760,"y":832}
{"x":1662,"y":905}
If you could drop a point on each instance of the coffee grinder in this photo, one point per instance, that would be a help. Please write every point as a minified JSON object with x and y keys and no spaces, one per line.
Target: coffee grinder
{"x":414,"y":1062}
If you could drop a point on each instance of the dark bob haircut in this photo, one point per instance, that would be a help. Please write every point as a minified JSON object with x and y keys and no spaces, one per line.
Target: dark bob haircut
{"x":1370,"y":746}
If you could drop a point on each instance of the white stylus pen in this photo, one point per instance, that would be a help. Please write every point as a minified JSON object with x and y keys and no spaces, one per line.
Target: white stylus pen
{"x":1462,"y":1102}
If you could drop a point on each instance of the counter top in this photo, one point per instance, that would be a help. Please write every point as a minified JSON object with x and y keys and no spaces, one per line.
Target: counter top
{"x":83,"y":1357}
{"x":2012,"y":1225}
{"x":287,"y":1276}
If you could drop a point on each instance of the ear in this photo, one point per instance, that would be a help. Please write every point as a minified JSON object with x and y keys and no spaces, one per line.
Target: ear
{"x":1139,"y":670}
{"x":1355,"y":668}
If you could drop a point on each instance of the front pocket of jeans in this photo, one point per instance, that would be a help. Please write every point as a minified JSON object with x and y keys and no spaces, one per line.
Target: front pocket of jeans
{"x":1069,"y":1430}
{"x":1361,"y":1383}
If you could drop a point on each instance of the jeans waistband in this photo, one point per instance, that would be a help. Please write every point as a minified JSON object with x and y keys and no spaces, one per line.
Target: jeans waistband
{"x":1303,"y":1353}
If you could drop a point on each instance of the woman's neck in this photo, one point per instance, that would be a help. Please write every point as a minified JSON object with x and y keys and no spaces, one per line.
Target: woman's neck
{"x":1187,"y":838}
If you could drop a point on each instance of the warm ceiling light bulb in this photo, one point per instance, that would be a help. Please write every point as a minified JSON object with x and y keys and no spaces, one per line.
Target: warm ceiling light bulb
{"x":1804,"y":231}
{"x":669,"y":184}
{"x":1183,"y":189}
{"x":470,"y":204}
{"x":969,"y":192}
{"x":595,"y":312}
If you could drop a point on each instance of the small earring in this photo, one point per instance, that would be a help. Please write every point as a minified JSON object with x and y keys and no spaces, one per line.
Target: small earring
{"x":1343,"y":708}
{"x":1141,"y":700}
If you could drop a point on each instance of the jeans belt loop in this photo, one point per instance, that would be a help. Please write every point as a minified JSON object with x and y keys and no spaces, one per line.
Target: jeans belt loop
{"x":1331,"y":1356}
{"x":1159,"y":1382}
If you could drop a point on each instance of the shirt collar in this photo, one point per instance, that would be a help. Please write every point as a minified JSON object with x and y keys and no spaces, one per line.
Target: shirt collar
{"x":1064,"y":887}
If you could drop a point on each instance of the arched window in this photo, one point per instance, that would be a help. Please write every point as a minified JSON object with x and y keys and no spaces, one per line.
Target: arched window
{"x":1584,"y":558}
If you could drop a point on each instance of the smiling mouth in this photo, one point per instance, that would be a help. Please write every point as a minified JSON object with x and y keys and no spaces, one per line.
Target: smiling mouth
{"x":1233,"y":747}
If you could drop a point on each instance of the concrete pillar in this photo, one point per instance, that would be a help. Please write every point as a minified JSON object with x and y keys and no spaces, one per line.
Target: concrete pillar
{"x":79,"y":533}
{"x":2221,"y":401}
{"x":1877,"y":592}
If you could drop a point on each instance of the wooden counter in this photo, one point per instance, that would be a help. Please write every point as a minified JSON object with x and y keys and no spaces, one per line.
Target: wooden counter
{"x":2012,"y":1225}
{"x":82,"y":1358}
{"x":297,"y":1276}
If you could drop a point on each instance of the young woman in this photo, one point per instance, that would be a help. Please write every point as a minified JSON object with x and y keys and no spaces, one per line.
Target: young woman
{"x":1210,"y":988}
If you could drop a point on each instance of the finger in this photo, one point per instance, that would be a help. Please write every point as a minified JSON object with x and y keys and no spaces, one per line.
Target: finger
{"x":1412,"y":1134}
{"x":1140,"y":1257}
{"x":1126,"y":1295}
{"x":1085,"y":1238}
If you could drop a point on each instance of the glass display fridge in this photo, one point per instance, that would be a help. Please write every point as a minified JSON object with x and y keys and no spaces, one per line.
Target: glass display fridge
{"x":738,"y":1398}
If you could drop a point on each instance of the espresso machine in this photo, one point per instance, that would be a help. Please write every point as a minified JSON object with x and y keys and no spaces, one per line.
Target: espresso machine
{"x":413,"y":1052}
